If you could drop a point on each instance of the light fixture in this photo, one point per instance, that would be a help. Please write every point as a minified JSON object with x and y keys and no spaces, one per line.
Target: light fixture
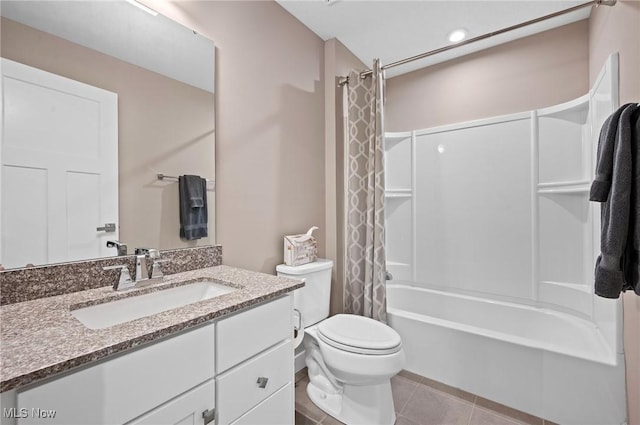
{"x":142,"y":7}
{"x":458,"y":35}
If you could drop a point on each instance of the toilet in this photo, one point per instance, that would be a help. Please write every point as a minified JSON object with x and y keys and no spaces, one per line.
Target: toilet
{"x":350,"y":359}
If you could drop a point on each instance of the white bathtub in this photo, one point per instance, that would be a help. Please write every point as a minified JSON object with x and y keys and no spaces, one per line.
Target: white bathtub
{"x":547,"y":363}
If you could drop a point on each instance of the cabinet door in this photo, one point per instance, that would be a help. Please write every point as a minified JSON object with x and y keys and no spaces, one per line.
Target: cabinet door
{"x":123,"y":388}
{"x":276,"y":410}
{"x":186,"y":409}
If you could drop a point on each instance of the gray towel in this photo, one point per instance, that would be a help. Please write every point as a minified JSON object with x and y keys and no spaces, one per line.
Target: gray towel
{"x":631,"y":258}
{"x":193,"y":207}
{"x":613,"y":186}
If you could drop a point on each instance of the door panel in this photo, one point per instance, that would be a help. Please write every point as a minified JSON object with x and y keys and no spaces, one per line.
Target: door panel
{"x":63,"y":137}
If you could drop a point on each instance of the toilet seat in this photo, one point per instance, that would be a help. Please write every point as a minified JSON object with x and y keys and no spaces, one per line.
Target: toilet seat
{"x":360,"y":335}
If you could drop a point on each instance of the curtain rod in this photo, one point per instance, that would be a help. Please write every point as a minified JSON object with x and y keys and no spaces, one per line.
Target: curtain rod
{"x":368,"y":72}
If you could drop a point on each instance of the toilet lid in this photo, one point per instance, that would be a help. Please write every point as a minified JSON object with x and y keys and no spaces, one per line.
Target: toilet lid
{"x":359,"y":334}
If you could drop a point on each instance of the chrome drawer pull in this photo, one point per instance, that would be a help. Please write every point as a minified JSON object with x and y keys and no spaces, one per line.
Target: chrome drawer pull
{"x":209,"y":415}
{"x":262,"y":382}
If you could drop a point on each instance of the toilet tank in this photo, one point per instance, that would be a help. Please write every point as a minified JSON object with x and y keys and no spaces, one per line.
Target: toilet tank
{"x":312,"y":300}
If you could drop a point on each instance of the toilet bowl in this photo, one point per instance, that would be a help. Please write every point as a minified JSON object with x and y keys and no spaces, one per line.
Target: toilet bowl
{"x":350,"y":373}
{"x":350,"y":359}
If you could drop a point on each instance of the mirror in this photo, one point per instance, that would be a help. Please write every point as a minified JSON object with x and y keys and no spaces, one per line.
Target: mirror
{"x":160,"y":75}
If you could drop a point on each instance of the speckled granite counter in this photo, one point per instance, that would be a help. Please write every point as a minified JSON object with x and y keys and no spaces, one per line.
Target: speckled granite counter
{"x":40,"y":338}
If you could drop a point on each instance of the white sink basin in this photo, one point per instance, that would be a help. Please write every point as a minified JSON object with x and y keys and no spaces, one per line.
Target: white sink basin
{"x":104,"y":315}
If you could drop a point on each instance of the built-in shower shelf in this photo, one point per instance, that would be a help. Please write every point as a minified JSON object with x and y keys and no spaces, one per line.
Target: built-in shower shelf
{"x":398,"y":193}
{"x":565,"y":190}
{"x":567,"y":285}
{"x":576,"y":110}
{"x":569,"y":187}
{"x":396,"y":136}
{"x":397,"y":263}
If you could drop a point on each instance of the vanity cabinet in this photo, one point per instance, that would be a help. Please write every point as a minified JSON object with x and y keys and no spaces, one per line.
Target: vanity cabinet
{"x":247,"y":380}
{"x":240,"y":365}
{"x":186,"y":409}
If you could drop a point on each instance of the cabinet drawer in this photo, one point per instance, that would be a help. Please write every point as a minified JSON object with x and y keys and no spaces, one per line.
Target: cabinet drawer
{"x":276,"y":410}
{"x":246,"y":334}
{"x":186,"y":409}
{"x":120,"y":389}
{"x":238,"y":389}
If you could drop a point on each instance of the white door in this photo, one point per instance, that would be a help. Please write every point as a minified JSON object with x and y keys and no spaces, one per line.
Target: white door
{"x":59,"y":159}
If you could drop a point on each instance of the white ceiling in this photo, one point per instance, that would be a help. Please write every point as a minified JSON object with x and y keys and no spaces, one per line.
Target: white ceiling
{"x":396,"y":29}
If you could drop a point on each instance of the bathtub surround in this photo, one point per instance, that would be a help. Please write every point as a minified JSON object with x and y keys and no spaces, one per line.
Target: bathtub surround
{"x":540,"y":222}
{"x":27,"y":284}
{"x":617,"y":189}
{"x":365,"y":259}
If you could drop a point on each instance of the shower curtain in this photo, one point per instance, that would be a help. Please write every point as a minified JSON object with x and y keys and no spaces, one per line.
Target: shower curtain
{"x":365,"y":293}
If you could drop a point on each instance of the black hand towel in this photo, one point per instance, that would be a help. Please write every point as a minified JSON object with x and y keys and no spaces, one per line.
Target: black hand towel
{"x":193,"y":207}
{"x":613,"y":186}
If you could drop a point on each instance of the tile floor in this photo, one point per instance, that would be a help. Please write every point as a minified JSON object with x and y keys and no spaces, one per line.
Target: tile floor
{"x":422,"y":401}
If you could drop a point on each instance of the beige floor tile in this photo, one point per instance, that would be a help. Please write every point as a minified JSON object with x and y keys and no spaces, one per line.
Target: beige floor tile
{"x":480,"y":416}
{"x":302,"y":374}
{"x":401,"y":420}
{"x":457,"y":392}
{"x":508,"y":411}
{"x":330,"y":420}
{"x":410,"y":375}
{"x":402,"y":390}
{"x":301,"y":419}
{"x":429,"y":407}
{"x":304,"y":405}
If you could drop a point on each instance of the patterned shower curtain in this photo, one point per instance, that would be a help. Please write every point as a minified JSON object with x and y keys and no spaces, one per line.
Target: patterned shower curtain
{"x":365,"y":292}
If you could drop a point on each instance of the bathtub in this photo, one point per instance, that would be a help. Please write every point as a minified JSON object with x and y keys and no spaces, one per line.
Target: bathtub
{"x":547,"y":363}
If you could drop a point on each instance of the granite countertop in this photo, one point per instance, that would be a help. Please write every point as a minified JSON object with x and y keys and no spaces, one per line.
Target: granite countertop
{"x":40,"y":338}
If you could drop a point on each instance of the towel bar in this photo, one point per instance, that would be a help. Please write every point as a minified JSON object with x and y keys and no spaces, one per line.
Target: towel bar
{"x":210,"y":183}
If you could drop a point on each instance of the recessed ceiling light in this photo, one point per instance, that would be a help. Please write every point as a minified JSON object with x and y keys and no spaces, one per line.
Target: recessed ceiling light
{"x":457,"y":35}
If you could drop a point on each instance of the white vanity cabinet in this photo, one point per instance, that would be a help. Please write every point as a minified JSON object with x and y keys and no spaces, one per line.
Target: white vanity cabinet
{"x":240,"y":365}
{"x":121,"y":389}
{"x":255,"y":365}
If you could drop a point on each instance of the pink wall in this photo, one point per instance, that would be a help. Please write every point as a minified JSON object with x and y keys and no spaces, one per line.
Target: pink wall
{"x":617,"y":29}
{"x":269,"y":126}
{"x":537,"y":71}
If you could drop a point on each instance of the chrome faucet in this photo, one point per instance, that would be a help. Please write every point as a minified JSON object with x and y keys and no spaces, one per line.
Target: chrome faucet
{"x":142,"y":272}
{"x":121,"y":247}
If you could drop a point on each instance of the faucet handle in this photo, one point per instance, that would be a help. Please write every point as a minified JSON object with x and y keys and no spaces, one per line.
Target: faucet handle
{"x":156,"y":272}
{"x":125,"y":281}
